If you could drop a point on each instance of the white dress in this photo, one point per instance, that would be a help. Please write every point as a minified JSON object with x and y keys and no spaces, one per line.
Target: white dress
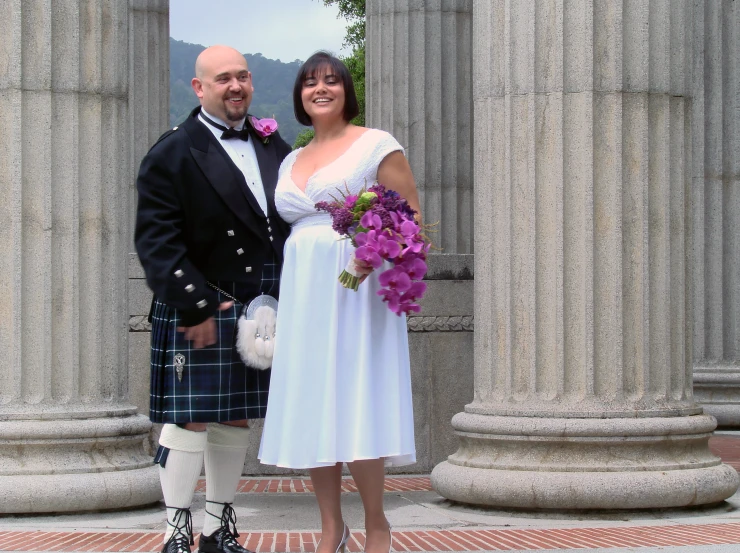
{"x":340,"y":389}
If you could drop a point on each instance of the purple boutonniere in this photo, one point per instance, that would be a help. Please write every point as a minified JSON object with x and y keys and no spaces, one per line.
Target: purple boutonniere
{"x":264,"y":127}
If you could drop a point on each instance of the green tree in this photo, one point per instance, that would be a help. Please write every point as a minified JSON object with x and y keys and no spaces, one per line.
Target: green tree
{"x":303,"y":138}
{"x":354,"y":12}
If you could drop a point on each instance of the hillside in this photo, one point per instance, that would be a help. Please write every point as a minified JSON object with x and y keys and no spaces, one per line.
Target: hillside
{"x":273,"y":87}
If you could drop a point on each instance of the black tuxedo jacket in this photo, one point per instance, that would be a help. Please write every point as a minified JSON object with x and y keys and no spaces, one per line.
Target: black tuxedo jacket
{"x":198,"y":221}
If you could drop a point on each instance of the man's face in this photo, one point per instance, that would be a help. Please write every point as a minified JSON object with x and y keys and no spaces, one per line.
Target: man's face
{"x":225,"y":88}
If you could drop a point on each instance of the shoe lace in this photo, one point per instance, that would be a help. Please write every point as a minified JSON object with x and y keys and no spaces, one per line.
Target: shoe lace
{"x":228,"y":522}
{"x":183,"y":534}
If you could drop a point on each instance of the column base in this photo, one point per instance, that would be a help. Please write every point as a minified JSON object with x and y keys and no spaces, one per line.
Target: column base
{"x":75,"y":493}
{"x":717,"y":390}
{"x":572,"y":464}
{"x":74,"y":464}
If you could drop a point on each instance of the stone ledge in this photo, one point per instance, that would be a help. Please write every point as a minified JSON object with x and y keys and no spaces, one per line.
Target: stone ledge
{"x":450,"y":266}
{"x":441,"y":324}
{"x":140,"y":323}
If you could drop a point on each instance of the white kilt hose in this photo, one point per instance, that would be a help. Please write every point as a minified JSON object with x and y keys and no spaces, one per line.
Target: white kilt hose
{"x":213,"y":384}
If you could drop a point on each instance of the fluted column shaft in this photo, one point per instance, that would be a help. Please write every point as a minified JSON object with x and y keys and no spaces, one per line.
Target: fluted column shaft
{"x":67,"y":426}
{"x":583,"y":303}
{"x":149,"y":95}
{"x":716,"y":195}
{"x":149,"y":101}
{"x":419,"y":88}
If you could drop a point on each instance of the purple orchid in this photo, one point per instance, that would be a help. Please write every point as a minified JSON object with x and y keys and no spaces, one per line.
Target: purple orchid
{"x":264,"y":127}
{"x":373,"y":243}
{"x":387,"y":231}
{"x":415,"y":268}
{"x":371,"y":221}
{"x":395,"y":279}
{"x":392,"y":298}
{"x":368,"y":249}
{"x":415,"y":291}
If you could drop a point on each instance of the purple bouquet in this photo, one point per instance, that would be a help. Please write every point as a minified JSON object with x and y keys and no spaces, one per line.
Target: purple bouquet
{"x":381,"y":226}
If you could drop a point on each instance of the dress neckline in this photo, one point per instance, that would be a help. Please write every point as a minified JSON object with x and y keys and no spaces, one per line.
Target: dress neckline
{"x":317,"y":171}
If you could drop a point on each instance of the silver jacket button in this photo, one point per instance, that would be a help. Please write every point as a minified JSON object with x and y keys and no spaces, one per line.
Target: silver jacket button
{"x":179,"y":273}
{"x":189,"y":288}
{"x":201,"y":304}
{"x":240,"y":251}
{"x":248,"y":269}
{"x":230,"y":232}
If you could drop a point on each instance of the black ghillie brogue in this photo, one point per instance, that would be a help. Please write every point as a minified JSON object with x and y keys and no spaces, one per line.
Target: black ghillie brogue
{"x":182,"y":538}
{"x":222,"y":540}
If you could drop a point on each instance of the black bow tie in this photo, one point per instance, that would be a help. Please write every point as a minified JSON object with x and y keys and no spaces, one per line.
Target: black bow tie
{"x":233,"y":133}
{"x":228,"y":132}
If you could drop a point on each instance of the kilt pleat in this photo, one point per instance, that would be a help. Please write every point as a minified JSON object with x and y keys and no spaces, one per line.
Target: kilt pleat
{"x":215,"y":385}
{"x":160,"y":336}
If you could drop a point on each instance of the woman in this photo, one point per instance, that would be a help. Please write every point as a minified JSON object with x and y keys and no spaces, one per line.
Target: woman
{"x":340,"y":389}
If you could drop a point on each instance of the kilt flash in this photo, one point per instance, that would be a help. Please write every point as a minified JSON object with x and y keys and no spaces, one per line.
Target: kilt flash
{"x":216,"y":386}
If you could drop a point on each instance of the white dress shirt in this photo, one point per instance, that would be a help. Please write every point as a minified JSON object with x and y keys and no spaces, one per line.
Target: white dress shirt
{"x":243,"y":155}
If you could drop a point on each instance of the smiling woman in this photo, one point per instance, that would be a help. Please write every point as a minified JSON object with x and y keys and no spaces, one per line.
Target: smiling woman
{"x":345,"y":356}
{"x":324,"y":80}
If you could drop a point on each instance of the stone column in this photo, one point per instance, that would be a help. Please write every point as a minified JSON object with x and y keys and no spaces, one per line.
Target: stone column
{"x":149,"y":117}
{"x":716,"y":196}
{"x":149,"y":74}
{"x":583,"y":357}
{"x":419,"y":88}
{"x":69,"y":438}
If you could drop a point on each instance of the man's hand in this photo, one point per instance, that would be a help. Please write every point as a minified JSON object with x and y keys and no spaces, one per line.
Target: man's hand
{"x":363,"y":268}
{"x":204,"y":334}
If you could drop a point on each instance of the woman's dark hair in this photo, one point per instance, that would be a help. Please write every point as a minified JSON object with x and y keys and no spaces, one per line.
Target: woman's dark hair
{"x":319,"y":62}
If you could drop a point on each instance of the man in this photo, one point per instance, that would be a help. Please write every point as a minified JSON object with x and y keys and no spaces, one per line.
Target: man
{"x":207,"y":234}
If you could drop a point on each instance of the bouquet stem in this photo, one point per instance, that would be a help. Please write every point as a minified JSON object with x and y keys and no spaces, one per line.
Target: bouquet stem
{"x":349,"y":278}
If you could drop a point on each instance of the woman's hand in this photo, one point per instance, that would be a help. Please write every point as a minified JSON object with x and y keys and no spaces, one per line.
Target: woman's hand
{"x":363,"y":269}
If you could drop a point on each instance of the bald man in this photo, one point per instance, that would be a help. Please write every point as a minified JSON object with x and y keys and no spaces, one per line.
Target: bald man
{"x":210,"y":240}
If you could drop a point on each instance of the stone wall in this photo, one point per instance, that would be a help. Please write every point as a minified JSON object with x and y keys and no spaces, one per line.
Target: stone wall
{"x":440,"y":341}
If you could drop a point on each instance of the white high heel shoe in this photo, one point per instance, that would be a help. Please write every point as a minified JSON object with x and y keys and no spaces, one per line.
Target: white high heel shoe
{"x":341,"y":548}
{"x":345,"y":537}
{"x":390,"y":535}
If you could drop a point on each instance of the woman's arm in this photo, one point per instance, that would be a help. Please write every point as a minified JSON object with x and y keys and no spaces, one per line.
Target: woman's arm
{"x":395,"y":174}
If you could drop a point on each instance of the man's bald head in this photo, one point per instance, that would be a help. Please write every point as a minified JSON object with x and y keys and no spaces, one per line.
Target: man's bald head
{"x":223,"y":83}
{"x":210,"y":59}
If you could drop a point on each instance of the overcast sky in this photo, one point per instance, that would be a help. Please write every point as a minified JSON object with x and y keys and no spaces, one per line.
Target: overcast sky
{"x":279,"y":29}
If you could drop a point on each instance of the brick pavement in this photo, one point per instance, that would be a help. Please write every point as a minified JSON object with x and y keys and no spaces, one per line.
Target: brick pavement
{"x":476,"y":539}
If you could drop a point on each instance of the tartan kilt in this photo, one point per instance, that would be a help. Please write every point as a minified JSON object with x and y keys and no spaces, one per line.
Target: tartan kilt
{"x":216,"y":385}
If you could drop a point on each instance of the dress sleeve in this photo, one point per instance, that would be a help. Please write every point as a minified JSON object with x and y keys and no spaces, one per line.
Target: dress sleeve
{"x":384,"y":144}
{"x":286,"y":163}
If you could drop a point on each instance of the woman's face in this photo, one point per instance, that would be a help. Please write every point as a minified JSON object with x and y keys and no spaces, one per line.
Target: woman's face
{"x":323,"y":95}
